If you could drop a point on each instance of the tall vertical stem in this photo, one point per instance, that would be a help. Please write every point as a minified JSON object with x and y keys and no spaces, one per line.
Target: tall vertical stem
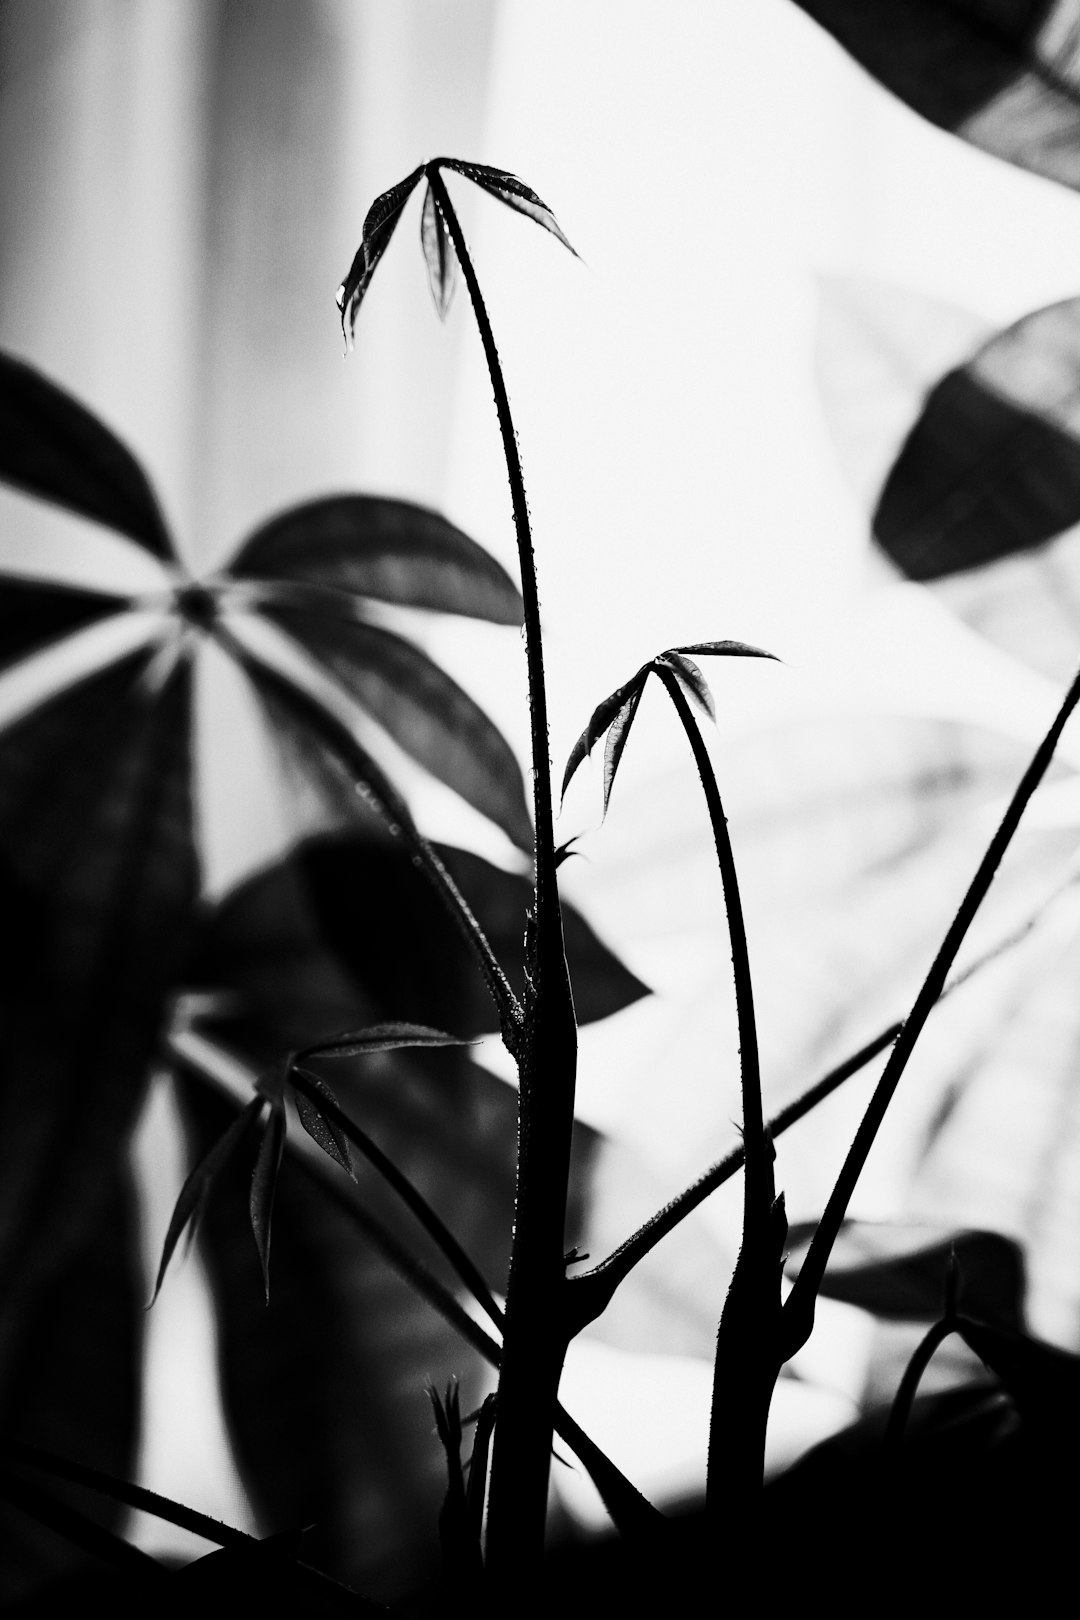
{"x":534,"y":1343}
{"x":747,"y":1348}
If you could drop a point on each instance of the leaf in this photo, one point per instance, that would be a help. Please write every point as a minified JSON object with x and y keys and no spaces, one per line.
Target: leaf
{"x":900,"y":1271}
{"x":379,"y":226}
{"x":992,"y":466}
{"x":393,"y":550}
{"x":264,"y":1185}
{"x":201,"y":1181}
{"x":602,"y":717}
{"x":348,"y":933}
{"x":52,"y":446}
{"x":324,"y":1388}
{"x":1043,"y":1379}
{"x":1002,"y":74}
{"x":73,"y":1365}
{"x":439,"y":254}
{"x":98,"y":878}
{"x":691,"y":680}
{"x":722,"y":649}
{"x":617,"y":738}
{"x":423,"y":709}
{"x":35,"y":613}
{"x":880,"y":349}
{"x":511,"y":191}
{"x":323,"y":1131}
{"x":380,"y":1038}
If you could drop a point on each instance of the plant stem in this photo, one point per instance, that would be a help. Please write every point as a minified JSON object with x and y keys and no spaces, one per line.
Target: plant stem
{"x":372,"y":781}
{"x":909,"y":1384}
{"x":534,"y":1345}
{"x":747,"y":1360}
{"x":799,"y":1307}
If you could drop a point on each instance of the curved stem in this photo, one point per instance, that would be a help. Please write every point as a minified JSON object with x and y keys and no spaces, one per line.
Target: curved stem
{"x":909,"y":1384}
{"x":339,"y":741}
{"x":534,"y":1342}
{"x":748,"y":1357}
{"x":410,"y":1196}
{"x":757,"y":1150}
{"x":799,"y":1307}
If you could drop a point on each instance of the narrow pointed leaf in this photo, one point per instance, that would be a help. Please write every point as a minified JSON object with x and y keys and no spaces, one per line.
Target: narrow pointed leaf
{"x":393,"y":550}
{"x":392,"y":1037}
{"x":601,"y":718}
{"x":992,"y":466}
{"x":264,"y":1186}
{"x":379,"y":226}
{"x":617,"y":738}
{"x":691,"y":680}
{"x":52,"y":446}
{"x":511,"y":191}
{"x":34,"y":613}
{"x":1002,"y":74}
{"x":439,"y":255}
{"x":426,"y":712}
{"x":322,"y":1130}
{"x":724,"y":649}
{"x":900,"y":1271}
{"x":201,"y":1181}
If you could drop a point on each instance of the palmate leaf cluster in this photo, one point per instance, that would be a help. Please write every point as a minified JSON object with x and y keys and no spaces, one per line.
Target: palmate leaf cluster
{"x":110,"y":934}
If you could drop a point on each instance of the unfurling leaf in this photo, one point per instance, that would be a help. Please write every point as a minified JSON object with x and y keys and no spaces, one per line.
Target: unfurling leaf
{"x":615,"y":714}
{"x":691,"y":680}
{"x":200,"y":1183}
{"x":379,"y":226}
{"x":380,"y":1038}
{"x":1002,"y":74}
{"x":992,"y":466}
{"x":264,"y":1185}
{"x":322,"y":1130}
{"x":902,"y":1272}
{"x":511,"y":191}
{"x":439,"y":254}
{"x":617,"y":738}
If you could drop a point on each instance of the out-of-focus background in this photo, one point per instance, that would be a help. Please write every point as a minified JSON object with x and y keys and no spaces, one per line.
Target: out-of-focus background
{"x":184,"y":186}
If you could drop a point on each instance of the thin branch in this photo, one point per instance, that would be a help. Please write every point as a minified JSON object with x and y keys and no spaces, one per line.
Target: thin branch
{"x":799,"y":1307}
{"x":336,"y":737}
{"x":409,"y":1194}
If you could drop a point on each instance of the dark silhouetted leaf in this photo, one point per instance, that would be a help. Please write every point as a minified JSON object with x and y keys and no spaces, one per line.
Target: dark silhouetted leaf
{"x":71,"y":1381}
{"x":439,"y":254}
{"x":294,"y":944}
{"x":322,"y":1130}
{"x":1042,"y":1379}
{"x":511,"y":191}
{"x":379,"y":226}
{"x":424,"y":710}
{"x":1003,"y":74}
{"x":52,"y":446}
{"x":374,"y":546}
{"x":34,"y":613}
{"x":324,"y":1386}
{"x":98,"y":873}
{"x":264,"y":1186}
{"x":393,"y":1037}
{"x":900,"y":1271}
{"x":992,"y":467}
{"x":202,"y":1180}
